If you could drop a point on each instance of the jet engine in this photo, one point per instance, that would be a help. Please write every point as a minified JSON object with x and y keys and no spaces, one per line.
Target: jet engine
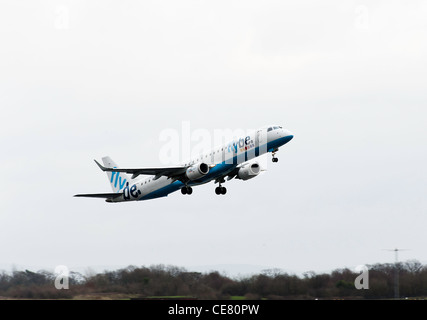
{"x":197,"y":171}
{"x":249,"y":171}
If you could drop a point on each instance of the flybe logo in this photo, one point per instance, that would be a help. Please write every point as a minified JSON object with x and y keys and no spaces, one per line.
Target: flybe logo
{"x":243,"y":145}
{"x":119,"y":181}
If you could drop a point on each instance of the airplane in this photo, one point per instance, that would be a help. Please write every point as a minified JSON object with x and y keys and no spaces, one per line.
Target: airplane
{"x":232,"y":160}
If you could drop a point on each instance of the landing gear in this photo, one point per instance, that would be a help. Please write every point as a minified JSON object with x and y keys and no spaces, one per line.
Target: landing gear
{"x":187,"y":190}
{"x":274,"y":158}
{"x":220,"y":190}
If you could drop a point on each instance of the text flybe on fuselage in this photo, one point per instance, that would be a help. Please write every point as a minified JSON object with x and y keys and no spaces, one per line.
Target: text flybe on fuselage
{"x":245,"y":144}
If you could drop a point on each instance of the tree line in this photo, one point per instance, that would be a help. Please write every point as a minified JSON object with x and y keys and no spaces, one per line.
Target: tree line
{"x":171,"y":281}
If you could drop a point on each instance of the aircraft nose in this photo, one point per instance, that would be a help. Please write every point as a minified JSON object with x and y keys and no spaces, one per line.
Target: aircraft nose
{"x":288,"y":134}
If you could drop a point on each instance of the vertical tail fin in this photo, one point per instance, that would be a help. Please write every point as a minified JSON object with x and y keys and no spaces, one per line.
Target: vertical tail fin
{"x":117,"y":180}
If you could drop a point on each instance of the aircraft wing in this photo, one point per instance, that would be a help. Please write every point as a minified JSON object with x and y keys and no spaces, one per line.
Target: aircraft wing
{"x":100,"y":195}
{"x":170,"y":172}
{"x":229,"y":175}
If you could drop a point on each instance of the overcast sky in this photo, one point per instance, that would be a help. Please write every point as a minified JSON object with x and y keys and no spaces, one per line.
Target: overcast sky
{"x":83,"y":79}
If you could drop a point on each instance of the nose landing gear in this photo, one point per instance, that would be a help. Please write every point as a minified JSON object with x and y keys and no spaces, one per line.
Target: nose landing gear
{"x":274,"y":154}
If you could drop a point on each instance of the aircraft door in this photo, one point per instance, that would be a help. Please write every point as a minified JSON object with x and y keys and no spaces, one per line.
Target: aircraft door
{"x":260,"y":142}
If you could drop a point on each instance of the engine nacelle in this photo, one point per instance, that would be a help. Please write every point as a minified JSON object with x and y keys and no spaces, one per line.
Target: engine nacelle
{"x":249,"y":171}
{"x":197,"y":171}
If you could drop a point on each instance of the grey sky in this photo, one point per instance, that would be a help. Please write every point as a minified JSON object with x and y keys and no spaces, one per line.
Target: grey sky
{"x":83,"y":79}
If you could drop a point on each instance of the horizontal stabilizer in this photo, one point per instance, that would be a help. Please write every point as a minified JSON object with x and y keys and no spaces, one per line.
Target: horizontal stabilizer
{"x":100,"y":195}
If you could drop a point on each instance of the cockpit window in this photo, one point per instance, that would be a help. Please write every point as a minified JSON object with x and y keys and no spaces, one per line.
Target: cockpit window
{"x":275,"y":128}
{"x":269,"y":129}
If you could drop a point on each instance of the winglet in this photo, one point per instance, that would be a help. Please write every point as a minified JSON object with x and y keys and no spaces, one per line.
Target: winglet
{"x":100,"y":166}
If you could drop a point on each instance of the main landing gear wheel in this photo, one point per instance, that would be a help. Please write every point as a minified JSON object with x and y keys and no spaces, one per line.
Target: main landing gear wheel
{"x":187,"y":190}
{"x":220,"y":190}
{"x":275,"y":159}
